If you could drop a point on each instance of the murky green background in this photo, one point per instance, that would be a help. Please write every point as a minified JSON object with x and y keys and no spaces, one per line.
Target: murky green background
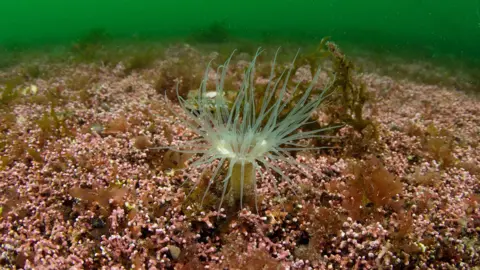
{"x":436,"y":28}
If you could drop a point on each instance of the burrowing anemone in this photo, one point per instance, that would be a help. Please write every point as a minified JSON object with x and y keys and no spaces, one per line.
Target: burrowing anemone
{"x":246,"y":135}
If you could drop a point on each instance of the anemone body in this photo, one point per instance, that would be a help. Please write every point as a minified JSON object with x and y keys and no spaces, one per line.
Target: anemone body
{"x":245,"y":136}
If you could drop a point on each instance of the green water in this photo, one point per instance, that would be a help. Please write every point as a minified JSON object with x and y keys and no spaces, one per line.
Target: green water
{"x":434,"y":28}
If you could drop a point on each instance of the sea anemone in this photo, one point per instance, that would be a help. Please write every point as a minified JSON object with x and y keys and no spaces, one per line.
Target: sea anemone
{"x":244,"y":135}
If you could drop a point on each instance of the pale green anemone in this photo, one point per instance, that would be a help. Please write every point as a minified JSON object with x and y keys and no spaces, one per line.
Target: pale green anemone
{"x":244,"y":136}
